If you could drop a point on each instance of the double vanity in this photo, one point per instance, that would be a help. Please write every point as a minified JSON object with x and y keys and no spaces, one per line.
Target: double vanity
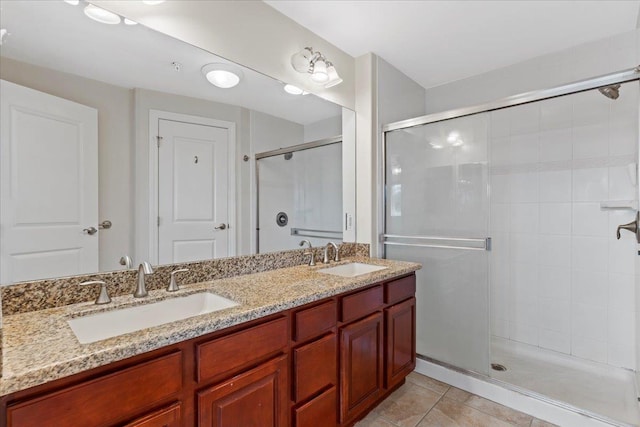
{"x":295,"y":346}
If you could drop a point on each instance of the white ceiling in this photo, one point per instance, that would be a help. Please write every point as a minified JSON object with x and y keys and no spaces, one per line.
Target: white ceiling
{"x":56,"y":35}
{"x":436,"y":42}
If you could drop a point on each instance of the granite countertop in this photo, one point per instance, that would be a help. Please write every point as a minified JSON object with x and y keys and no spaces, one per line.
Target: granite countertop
{"x":39,"y":346}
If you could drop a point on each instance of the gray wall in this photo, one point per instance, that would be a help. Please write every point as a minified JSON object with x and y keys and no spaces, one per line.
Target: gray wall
{"x":578,"y":63}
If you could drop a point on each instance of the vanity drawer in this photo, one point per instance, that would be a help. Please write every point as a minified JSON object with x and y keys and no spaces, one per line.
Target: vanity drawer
{"x":320,"y":411}
{"x":166,"y":417}
{"x":314,"y":367}
{"x":400,"y":289}
{"x":361,"y":304}
{"x":314,"y":321}
{"x":235,"y":351}
{"x":101,"y":401}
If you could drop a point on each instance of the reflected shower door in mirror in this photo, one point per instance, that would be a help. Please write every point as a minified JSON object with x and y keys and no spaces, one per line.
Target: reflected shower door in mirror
{"x":119,"y":123}
{"x":300,"y":195}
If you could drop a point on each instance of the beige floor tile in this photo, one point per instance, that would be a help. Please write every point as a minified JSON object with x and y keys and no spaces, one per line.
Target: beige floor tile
{"x":539,"y":423}
{"x":499,"y":411}
{"x":450,"y":413}
{"x":373,"y":420}
{"x":426,"y":382}
{"x":407,"y":405}
{"x":458,"y":395}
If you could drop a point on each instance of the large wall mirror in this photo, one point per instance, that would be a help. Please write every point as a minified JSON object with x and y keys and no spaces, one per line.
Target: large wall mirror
{"x":115,"y":147}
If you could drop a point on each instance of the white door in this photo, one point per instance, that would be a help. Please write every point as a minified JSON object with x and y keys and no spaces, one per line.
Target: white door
{"x":193,"y":192}
{"x":49,"y":185}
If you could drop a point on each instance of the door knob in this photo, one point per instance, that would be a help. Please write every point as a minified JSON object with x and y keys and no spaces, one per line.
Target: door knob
{"x":90,"y":231}
{"x":632,"y":227}
{"x":221,"y":227}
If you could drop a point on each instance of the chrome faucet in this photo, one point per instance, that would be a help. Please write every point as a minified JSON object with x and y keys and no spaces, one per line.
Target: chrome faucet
{"x":141,"y":290}
{"x":336,"y":258}
{"x":312,"y":261}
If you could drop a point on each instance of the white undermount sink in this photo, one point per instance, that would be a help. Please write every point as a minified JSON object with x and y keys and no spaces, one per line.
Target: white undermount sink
{"x":96,"y":327}
{"x":351,"y":269}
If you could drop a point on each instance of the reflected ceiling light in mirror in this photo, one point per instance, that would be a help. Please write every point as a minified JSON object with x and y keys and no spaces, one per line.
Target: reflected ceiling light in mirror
{"x":322,"y":71}
{"x":294,"y":90}
{"x":454,"y":139}
{"x":436,"y":145}
{"x":224,"y":76}
{"x":101,"y":15}
{"x":130,"y":22}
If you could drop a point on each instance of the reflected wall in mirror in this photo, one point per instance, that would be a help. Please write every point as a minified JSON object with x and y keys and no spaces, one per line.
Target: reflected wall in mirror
{"x":118,"y":122}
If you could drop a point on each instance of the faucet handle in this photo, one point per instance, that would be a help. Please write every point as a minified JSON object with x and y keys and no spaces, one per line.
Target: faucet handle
{"x":173,"y":284}
{"x":103,"y":297}
{"x":337,"y":257}
{"x":312,"y":261}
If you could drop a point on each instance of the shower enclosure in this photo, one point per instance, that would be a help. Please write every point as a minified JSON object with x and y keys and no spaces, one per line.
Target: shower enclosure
{"x":299,"y":195}
{"x":512,"y":208}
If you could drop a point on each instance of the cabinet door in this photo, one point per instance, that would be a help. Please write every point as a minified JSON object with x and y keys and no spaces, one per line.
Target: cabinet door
{"x":255,"y":398}
{"x":360,"y":365}
{"x":400,"y":321}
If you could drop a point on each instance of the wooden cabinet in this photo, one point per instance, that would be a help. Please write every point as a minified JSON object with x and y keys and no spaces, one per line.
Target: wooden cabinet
{"x":323,"y":364}
{"x":255,"y":398}
{"x":320,"y":411}
{"x":400,"y":336}
{"x":165,"y":417}
{"x":104,"y":400}
{"x":361,"y":365}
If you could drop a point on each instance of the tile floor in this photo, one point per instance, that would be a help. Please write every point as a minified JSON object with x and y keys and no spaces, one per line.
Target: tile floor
{"x":425,"y":402}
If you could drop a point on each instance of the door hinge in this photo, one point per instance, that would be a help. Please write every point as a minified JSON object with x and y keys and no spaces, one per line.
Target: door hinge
{"x":158,"y":139}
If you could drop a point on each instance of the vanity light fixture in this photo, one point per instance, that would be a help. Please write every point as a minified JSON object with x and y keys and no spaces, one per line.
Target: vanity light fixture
{"x":322,"y":71}
{"x":294,"y":90}
{"x":224,"y":76}
{"x":101,"y":15}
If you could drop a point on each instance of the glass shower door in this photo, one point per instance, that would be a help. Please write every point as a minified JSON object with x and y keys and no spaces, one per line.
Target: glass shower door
{"x":437,"y":213}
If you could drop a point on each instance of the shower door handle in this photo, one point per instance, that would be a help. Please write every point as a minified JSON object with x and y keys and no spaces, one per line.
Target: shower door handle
{"x":632,"y":227}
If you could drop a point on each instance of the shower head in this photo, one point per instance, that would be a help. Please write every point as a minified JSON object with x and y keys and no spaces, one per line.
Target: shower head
{"x":611,"y":92}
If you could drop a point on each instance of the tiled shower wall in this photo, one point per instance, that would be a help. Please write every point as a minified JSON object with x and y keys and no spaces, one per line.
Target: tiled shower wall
{"x":560,"y":279}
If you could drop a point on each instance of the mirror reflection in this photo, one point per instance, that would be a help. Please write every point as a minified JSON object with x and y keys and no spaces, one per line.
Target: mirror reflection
{"x":119,"y":143}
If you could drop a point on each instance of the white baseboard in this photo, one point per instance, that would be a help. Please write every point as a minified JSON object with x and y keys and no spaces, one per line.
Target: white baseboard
{"x":529,"y":405}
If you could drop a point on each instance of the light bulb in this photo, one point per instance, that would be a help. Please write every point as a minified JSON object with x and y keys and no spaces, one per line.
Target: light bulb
{"x":101,"y":15}
{"x":319,"y":74}
{"x":334,"y":78}
{"x":301,"y":61}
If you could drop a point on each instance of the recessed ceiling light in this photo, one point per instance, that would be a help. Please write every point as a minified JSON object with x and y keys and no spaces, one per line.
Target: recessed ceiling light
{"x":294,"y":90}
{"x":224,"y":76}
{"x":101,"y":15}
{"x":130,"y":22}
{"x":152,"y":2}
{"x":72,"y":2}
